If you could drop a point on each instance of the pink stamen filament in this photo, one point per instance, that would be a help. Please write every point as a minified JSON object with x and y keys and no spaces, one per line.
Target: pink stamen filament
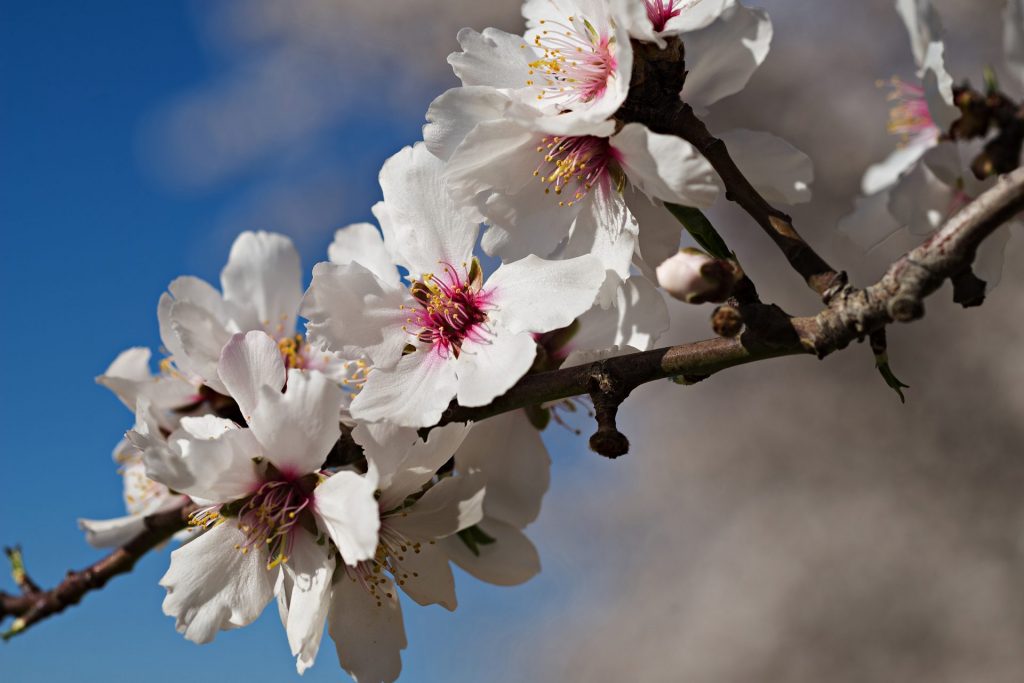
{"x":910,"y":116}
{"x":451,"y":309}
{"x":660,"y":11}
{"x":577,"y":61}
{"x":270,"y":517}
{"x":580,"y":160}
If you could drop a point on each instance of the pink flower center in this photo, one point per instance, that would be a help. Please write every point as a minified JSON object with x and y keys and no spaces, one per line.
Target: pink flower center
{"x":576,"y":64}
{"x":660,"y":11}
{"x":451,"y":307}
{"x":573,"y":165}
{"x":269,"y":518}
{"x":909,"y":116}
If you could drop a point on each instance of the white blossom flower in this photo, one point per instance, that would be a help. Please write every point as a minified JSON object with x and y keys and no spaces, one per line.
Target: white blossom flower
{"x":416,"y":512}
{"x":267,"y":502}
{"x":262,"y":289}
{"x":573,"y":63}
{"x":142,"y":495}
{"x":927,"y":180}
{"x":554,"y":195}
{"x":451,"y":333}
{"x":130,"y":378}
{"x":654,"y":20}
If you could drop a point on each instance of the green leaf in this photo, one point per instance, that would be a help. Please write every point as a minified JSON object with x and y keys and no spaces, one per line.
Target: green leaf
{"x":700,"y":228}
{"x":882,"y":363}
{"x":474,"y":537}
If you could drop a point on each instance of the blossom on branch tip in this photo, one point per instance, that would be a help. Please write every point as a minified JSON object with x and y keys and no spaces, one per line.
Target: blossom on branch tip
{"x":452,"y":333}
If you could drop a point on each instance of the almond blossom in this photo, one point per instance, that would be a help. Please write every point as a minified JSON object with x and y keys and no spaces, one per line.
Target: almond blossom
{"x":266,"y":502}
{"x":451,"y":333}
{"x":262,"y":289}
{"x":573,"y":62}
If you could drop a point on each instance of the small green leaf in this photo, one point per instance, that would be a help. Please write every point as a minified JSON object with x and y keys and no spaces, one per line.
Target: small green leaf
{"x":882,"y":363}
{"x":701,"y":229}
{"x":474,"y":537}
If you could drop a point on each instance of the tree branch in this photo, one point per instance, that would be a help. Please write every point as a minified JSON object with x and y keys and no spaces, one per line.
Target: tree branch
{"x":850,"y":314}
{"x":34,"y":604}
{"x":657,"y":79}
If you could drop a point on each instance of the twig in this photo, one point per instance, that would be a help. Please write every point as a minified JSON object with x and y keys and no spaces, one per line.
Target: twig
{"x":658,"y":78}
{"x":36,"y":604}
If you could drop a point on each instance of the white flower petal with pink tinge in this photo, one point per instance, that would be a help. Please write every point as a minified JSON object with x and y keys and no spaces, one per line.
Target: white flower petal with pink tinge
{"x":489,"y":368}
{"x":213,"y":586}
{"x":214,"y":469}
{"x":451,"y":505}
{"x":665,"y":167}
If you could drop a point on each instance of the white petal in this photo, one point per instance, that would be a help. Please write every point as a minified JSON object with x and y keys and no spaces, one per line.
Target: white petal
{"x":498,"y":155}
{"x":781,"y":172}
{"x":938,"y":87}
{"x":367,"y":630}
{"x":870,"y":223}
{"x":355,"y":313}
{"x":607,"y":230}
{"x":696,"y":14}
{"x":386,"y":446}
{"x":412,"y":394}
{"x":883,"y":175}
{"x":1013,"y":39}
{"x":529,"y":221}
{"x":213,"y":586}
{"x":722,"y":57}
{"x":921,"y":201}
{"x":522,"y":292}
{"x":263,"y":282}
{"x":202,"y":334}
{"x":509,"y":561}
{"x":420,"y":460}
{"x":428,"y":226}
{"x":665,"y":167}
{"x":298,"y":428}
{"x":923,"y":25}
{"x":487,"y":369}
{"x":363,"y":244}
{"x":426,"y":576}
{"x":637,"y":319}
{"x":509,"y":452}
{"x":492,"y":58}
{"x":110,"y":533}
{"x":453,"y":504}
{"x":217,"y":469}
{"x":248,"y":363}
{"x":348,"y":511}
{"x":309,"y":570}
{"x":453,"y":114}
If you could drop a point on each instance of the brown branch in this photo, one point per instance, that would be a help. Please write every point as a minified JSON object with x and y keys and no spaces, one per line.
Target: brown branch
{"x":658,"y":78}
{"x":35,"y":604}
{"x":850,"y":314}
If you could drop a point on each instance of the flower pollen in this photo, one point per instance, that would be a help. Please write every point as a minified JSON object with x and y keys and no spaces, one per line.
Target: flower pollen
{"x":573,"y":162}
{"x":450,"y":308}
{"x":576,"y":64}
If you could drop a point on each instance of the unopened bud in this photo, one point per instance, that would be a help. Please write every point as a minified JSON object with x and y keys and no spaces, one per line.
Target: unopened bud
{"x":726,"y":321}
{"x":694,"y":277}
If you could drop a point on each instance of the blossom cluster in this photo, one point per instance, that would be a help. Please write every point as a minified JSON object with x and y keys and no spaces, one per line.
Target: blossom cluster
{"x":307,"y":427}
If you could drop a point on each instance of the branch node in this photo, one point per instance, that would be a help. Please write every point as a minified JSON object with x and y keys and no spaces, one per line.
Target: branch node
{"x":607,"y":392}
{"x":727,"y":321}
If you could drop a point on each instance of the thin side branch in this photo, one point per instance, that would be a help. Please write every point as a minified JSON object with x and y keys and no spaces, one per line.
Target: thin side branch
{"x":658,"y":78}
{"x":34,"y":604}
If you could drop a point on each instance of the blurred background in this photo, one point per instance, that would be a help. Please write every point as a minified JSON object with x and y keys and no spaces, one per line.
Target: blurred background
{"x":784,"y":521}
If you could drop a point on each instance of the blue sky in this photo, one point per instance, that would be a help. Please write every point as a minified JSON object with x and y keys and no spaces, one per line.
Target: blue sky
{"x":92,"y":232}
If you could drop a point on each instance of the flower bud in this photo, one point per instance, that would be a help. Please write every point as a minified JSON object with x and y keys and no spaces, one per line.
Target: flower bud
{"x":694,"y":277}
